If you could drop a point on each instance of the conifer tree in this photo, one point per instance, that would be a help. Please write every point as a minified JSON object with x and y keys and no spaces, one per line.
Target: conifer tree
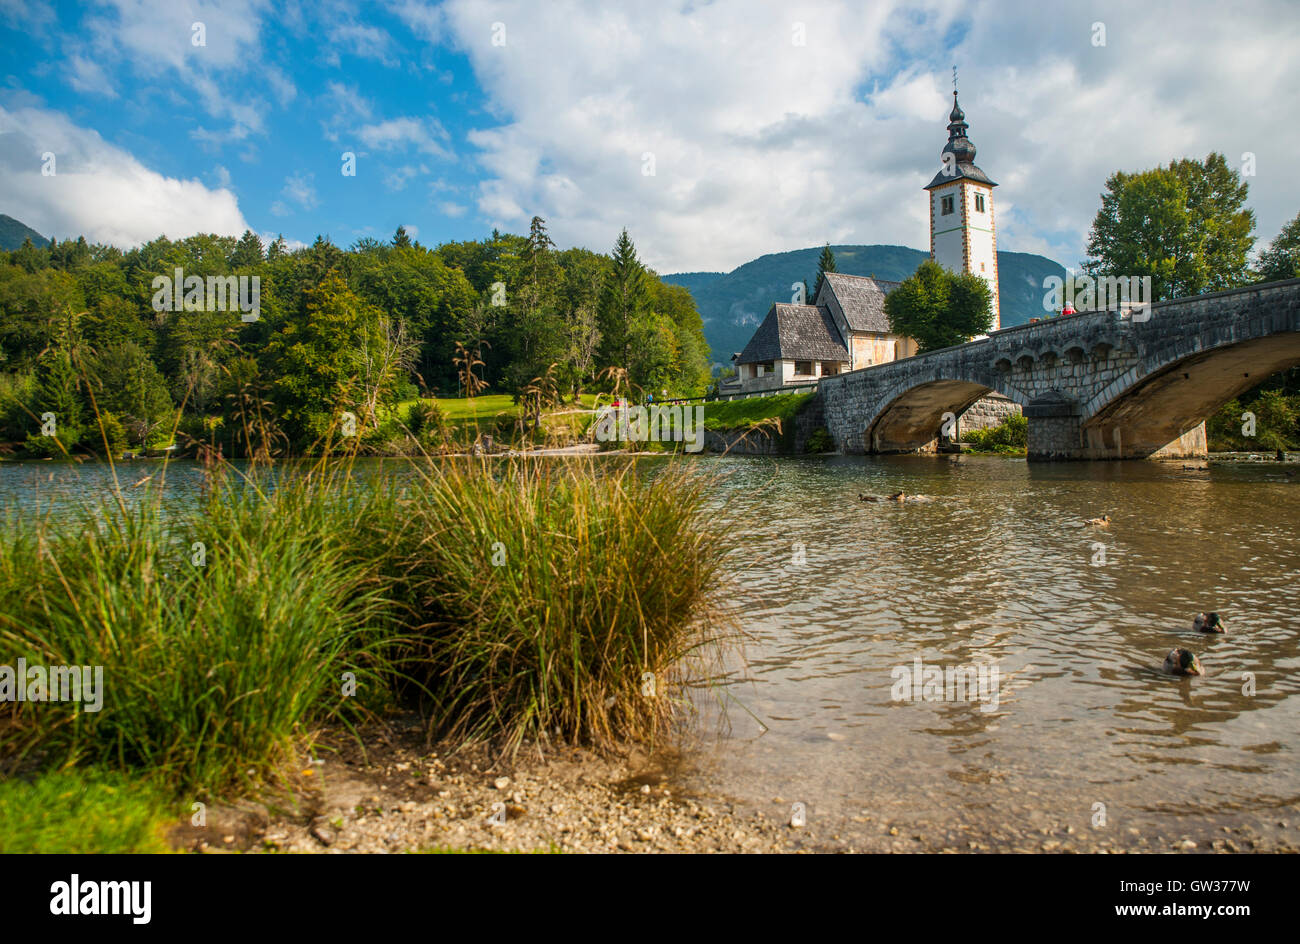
{"x":624,"y":301}
{"x":826,"y":263}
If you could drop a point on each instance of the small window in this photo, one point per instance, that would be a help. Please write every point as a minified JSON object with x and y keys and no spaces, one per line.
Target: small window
{"x":803,"y":367}
{"x":979,"y":203}
{"x":945,"y":204}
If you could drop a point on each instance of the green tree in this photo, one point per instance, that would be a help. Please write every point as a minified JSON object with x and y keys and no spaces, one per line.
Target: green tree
{"x":623,"y":304}
{"x":1281,"y":260}
{"x":1184,"y":226}
{"x":248,"y":251}
{"x":57,"y":391}
{"x":938,"y":308}
{"x":126,"y":382}
{"x":314,"y":360}
{"x":536,"y":336}
{"x":690,"y":364}
{"x":29,"y":257}
{"x":825,"y":263}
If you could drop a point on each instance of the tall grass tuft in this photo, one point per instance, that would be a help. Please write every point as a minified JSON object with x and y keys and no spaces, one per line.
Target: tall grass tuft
{"x":211,"y":669}
{"x":554,"y":599}
{"x":517,"y":599}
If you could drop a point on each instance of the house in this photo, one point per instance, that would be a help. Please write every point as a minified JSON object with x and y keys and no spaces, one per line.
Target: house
{"x":843,"y":329}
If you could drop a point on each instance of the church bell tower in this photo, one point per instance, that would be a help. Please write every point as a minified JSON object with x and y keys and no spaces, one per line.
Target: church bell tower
{"x":963,"y":237}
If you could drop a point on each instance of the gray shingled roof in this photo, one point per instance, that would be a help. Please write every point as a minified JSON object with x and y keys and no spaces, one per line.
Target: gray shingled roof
{"x":861,"y":299}
{"x":795,"y":332}
{"x":963,"y":169}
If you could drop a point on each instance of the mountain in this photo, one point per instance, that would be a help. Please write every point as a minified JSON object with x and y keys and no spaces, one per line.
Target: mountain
{"x":732,"y":304}
{"x":12,"y":234}
{"x":693,"y":282}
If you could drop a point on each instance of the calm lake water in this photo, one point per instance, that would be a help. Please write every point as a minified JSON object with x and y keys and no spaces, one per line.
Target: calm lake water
{"x":997,"y":569}
{"x":1000,"y":569}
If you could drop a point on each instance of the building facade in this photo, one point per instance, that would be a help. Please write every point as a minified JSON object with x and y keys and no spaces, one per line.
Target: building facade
{"x":963,"y":232}
{"x":845,"y":327}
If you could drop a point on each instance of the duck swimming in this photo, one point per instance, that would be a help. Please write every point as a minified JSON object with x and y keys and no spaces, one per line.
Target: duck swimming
{"x":1101,"y":522}
{"x":1182,"y":661}
{"x":1209,"y":623}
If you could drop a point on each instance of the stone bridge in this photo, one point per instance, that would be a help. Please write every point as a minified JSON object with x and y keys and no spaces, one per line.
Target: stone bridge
{"x":1096,"y":385}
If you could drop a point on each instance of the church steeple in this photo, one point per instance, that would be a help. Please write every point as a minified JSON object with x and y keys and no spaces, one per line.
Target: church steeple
{"x":960,"y":146}
{"x":963,"y":236}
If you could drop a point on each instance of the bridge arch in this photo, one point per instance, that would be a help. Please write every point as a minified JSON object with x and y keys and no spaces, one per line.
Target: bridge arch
{"x":1179,"y":386}
{"x":910,"y":413}
{"x":1095,"y":385}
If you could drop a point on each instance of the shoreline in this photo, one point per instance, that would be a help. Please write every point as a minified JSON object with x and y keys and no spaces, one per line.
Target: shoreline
{"x":404,"y":797}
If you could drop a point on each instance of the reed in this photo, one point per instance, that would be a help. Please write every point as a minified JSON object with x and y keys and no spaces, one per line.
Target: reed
{"x":512,"y":600}
{"x":211,"y":670}
{"x":554,"y":599}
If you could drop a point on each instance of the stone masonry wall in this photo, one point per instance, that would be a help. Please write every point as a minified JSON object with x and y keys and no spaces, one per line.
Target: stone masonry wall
{"x":987,"y":412}
{"x":1096,"y":363}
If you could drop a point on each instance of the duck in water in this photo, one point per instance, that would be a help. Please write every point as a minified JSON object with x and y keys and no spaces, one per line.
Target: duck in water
{"x":1102,"y":522}
{"x":1182,"y":661}
{"x":896,"y":497}
{"x":1209,"y":623}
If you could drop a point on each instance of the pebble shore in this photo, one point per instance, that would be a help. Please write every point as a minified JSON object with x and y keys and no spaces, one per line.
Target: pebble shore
{"x":403,"y":797}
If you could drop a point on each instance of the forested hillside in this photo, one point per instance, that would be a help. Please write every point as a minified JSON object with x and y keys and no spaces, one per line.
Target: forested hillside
{"x":87,"y":335}
{"x":13,"y":233}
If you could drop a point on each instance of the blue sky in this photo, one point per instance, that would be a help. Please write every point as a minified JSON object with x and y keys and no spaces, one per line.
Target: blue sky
{"x":769,"y":126}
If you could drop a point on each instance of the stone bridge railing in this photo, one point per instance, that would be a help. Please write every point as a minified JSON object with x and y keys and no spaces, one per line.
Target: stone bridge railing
{"x":1093,"y":385}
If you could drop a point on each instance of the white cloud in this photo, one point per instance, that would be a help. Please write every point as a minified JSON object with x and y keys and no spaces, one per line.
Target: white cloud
{"x":398,"y":177}
{"x":99,"y":190}
{"x":157,"y":38}
{"x":86,"y":76}
{"x":368,"y":42}
{"x":425,"y":20}
{"x":401,"y":133}
{"x":454,"y":210}
{"x":283,"y":87}
{"x":300,"y":189}
{"x":760,"y":145}
{"x":29,"y":16}
{"x":345,"y":106}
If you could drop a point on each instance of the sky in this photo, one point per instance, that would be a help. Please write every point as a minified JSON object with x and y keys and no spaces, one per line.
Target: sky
{"x":715,"y":132}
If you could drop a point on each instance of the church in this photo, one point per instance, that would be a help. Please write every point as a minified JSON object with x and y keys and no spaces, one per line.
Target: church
{"x":845,"y":327}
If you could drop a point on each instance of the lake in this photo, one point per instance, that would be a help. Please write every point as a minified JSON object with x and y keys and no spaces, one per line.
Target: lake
{"x":1000,"y":569}
{"x":1078,"y":740}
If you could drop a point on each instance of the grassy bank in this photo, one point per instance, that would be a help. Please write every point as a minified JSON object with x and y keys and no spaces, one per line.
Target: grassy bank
{"x":1008,"y":438}
{"x":529,"y":601}
{"x":744,"y":414}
